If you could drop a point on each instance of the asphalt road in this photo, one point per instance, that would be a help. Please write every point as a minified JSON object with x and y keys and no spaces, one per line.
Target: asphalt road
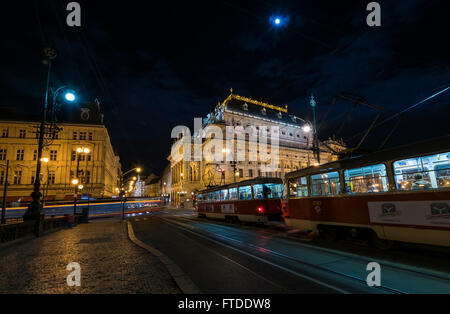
{"x":222,"y":258}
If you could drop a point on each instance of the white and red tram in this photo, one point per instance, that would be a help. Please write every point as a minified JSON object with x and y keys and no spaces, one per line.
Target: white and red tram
{"x":255,"y":200}
{"x":400,"y":194}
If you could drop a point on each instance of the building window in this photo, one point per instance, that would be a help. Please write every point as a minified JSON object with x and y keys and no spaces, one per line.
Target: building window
{"x":259,"y":173}
{"x":74,"y":155}
{"x":2,"y":176}
{"x":82,"y":135}
{"x":74,"y":135}
{"x":250,"y":173}
{"x":35,"y":155}
{"x":3,"y":154}
{"x":53,"y":155}
{"x":89,"y":157}
{"x":22,"y":134}
{"x":5,"y":132}
{"x":20,"y":153}
{"x":55,"y":135}
{"x":90,"y":136}
{"x":17,"y":177}
{"x":88,"y":176}
{"x":51,"y":177}
{"x":241,"y":173}
{"x":284,"y":133}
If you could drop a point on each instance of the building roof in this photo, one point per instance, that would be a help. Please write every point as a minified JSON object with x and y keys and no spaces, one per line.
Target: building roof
{"x":82,"y":113}
{"x":247,"y":106}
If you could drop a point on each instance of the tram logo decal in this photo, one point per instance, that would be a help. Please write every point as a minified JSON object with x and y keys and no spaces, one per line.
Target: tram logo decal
{"x":439,"y":210}
{"x":389,"y":210}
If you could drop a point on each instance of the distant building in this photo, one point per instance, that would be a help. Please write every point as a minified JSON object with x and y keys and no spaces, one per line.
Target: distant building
{"x":152,"y":186}
{"x":99,"y":170}
{"x":295,"y":148}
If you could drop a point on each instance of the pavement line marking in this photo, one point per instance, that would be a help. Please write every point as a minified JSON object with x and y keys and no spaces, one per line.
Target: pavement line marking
{"x":321,"y":283}
{"x":183,"y":281}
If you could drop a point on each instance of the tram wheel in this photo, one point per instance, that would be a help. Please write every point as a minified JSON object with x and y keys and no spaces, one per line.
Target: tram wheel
{"x":328,"y":233}
{"x":381,"y":244}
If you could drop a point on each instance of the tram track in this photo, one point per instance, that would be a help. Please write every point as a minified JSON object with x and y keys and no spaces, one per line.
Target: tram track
{"x":428,"y":276}
{"x":217,"y":240}
{"x":366,"y":259}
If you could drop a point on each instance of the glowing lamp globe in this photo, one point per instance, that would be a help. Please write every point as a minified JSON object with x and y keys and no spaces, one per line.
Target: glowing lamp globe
{"x":70,"y":96}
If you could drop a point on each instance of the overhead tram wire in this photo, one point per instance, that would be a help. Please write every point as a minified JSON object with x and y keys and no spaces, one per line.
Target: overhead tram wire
{"x":401,"y":113}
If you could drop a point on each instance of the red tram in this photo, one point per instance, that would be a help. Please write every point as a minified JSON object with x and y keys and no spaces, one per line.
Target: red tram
{"x":401,"y":194}
{"x":255,"y":200}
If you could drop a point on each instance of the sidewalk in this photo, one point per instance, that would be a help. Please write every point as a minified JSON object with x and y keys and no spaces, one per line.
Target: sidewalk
{"x":110,"y":263}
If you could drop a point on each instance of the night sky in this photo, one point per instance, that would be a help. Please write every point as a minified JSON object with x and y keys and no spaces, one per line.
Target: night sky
{"x":157,"y":64}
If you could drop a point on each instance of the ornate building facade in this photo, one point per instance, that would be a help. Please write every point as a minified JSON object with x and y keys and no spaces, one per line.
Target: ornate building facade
{"x":295,"y":148}
{"x":99,"y":169}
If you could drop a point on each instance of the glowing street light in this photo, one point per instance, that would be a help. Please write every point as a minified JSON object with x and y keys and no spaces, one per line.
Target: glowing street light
{"x":138,"y":170}
{"x":75,"y":181}
{"x":134,"y":178}
{"x":306,"y":128}
{"x":44,"y":159}
{"x":277,"y":21}
{"x":69,"y":96}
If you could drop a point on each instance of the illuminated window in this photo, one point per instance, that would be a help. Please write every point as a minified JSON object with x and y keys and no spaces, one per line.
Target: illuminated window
{"x":366,"y":179}
{"x":298,"y":187}
{"x":53,"y":155}
{"x":422,"y":173}
{"x":5,"y":132}
{"x":22,"y":133}
{"x":224,"y":195}
{"x":245,"y":192}
{"x":233,"y":195}
{"x":325,"y":184}
{"x":268,"y":190}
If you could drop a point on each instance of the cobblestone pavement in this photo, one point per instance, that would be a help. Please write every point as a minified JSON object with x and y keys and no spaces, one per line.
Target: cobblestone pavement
{"x":110,"y":263}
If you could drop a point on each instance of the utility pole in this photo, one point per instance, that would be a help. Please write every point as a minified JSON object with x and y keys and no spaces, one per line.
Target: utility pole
{"x":316,"y":148}
{"x":5,"y":191}
{"x":34,"y":209}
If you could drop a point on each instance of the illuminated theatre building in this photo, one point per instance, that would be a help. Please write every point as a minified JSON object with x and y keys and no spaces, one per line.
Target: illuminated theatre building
{"x":295,"y":148}
{"x":82,"y":136}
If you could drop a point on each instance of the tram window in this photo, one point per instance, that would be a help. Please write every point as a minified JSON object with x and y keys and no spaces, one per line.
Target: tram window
{"x":224,"y":195}
{"x":245,"y":192}
{"x":200,"y":198}
{"x":422,"y":173}
{"x":269,"y":190}
{"x":298,"y":187}
{"x":366,"y":179}
{"x":325,"y":184}
{"x":214,"y":196}
{"x":233,"y":194}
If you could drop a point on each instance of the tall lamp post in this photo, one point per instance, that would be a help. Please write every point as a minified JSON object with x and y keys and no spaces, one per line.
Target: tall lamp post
{"x":33,"y":211}
{"x":77,"y":182}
